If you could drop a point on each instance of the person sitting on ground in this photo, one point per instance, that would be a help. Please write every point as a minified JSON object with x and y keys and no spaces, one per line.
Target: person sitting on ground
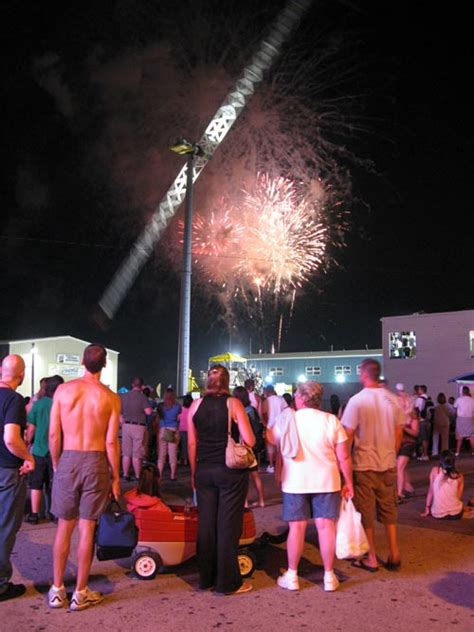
{"x":147,"y":494}
{"x":407,"y":446}
{"x":241,"y":393}
{"x":445,"y":491}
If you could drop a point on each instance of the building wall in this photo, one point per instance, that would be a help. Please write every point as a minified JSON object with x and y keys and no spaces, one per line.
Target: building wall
{"x":443,"y":350}
{"x":47,"y":361}
{"x":295,"y":365}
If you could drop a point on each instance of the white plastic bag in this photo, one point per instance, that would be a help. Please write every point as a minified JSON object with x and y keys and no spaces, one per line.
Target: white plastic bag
{"x":351,"y":540}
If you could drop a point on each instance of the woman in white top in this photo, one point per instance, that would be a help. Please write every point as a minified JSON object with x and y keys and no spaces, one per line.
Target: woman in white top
{"x":311,"y":482}
{"x":446,"y":487}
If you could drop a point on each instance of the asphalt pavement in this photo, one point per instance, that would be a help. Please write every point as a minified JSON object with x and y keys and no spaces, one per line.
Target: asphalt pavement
{"x":433,"y":590}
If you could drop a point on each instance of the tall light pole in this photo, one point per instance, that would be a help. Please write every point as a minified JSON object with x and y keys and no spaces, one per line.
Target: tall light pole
{"x":190,"y":150}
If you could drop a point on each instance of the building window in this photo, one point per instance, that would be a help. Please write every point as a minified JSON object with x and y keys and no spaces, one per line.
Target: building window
{"x":277,"y":370}
{"x":342,"y":370}
{"x":313,"y":370}
{"x":471,"y":343}
{"x":402,"y":344}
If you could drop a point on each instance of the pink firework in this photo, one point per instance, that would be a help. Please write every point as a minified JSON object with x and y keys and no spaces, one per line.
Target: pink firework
{"x":266,"y":244}
{"x":285,"y":239}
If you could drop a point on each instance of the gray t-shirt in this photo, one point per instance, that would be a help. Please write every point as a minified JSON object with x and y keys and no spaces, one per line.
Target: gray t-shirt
{"x":133,"y":406}
{"x":373,"y":414}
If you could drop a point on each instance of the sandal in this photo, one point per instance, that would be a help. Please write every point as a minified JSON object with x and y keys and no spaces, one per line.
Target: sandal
{"x":364,"y":567}
{"x":392,"y":566}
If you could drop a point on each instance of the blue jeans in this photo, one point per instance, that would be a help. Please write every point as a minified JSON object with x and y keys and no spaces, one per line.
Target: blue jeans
{"x":12,"y":508}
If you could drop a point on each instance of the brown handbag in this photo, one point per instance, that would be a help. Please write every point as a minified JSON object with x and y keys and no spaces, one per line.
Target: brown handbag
{"x":238,"y":455}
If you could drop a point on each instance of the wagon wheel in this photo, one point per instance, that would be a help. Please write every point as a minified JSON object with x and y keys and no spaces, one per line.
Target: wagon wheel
{"x":147,"y":564}
{"x":247,"y":562}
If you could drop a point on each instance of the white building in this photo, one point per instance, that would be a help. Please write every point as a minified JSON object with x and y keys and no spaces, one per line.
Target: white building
{"x":60,"y":355}
{"x":428,"y":349}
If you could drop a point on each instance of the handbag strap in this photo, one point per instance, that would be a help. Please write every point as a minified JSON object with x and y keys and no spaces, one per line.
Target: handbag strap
{"x":229,"y":418}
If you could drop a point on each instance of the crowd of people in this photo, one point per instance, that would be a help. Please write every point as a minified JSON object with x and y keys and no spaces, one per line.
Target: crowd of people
{"x":79,"y":438}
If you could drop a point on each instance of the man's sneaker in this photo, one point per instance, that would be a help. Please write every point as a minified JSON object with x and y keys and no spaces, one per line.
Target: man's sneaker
{"x":57,"y":597}
{"x":85,"y":599}
{"x":270,"y":469}
{"x":288,"y":581}
{"x":331,"y":582}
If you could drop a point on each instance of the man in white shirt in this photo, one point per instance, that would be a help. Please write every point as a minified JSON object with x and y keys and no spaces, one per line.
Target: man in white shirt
{"x":373,"y":420}
{"x":464,"y":406}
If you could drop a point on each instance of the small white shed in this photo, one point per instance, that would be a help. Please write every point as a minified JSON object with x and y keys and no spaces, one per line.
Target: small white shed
{"x":59,"y":355}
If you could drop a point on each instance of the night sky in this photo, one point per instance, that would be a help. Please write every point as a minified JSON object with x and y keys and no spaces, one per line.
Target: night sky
{"x":82,"y":171}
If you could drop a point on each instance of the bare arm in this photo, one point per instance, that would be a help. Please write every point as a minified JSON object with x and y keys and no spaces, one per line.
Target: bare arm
{"x":30,"y":434}
{"x":112,"y":446}
{"x":55,"y":433}
{"x":240,"y":416}
{"x":460,"y":486}
{"x":429,"y":497}
{"x":148,"y":410}
{"x":14,"y":442}
{"x":350,"y":438}
{"x":343,"y":456}
{"x":192,"y":440}
{"x":398,"y":437}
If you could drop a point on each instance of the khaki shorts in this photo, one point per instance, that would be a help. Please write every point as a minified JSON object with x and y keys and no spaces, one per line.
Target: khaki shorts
{"x":133,"y":441}
{"x":81,"y":485}
{"x":375,"y":496}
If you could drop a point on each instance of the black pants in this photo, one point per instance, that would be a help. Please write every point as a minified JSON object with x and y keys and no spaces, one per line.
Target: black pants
{"x":221,"y":494}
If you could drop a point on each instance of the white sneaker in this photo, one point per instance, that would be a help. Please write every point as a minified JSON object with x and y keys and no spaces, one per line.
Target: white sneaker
{"x":289,"y":582}
{"x":270,"y":469}
{"x":57,"y":597}
{"x":331,"y":582}
{"x":85,"y":599}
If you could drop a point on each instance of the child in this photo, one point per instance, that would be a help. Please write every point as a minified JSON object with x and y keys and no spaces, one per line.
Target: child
{"x":147,"y":494}
{"x":446,"y":487}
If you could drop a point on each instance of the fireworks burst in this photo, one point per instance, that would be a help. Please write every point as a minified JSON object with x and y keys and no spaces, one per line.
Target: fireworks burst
{"x":261,"y":248}
{"x":285,"y":239}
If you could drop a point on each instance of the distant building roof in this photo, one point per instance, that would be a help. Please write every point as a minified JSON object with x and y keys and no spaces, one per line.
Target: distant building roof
{"x":303,"y":355}
{"x":9,"y":342}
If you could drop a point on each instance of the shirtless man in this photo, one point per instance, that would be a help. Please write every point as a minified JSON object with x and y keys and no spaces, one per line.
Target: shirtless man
{"x":83,"y":442}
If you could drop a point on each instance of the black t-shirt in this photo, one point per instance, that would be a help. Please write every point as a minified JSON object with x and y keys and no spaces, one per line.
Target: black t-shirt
{"x":12,"y":411}
{"x":210,"y":420}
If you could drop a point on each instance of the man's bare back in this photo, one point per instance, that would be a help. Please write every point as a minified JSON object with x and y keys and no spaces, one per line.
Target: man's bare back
{"x":87,"y":413}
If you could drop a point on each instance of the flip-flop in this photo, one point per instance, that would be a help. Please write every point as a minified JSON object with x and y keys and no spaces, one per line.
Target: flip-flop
{"x":364,"y":567}
{"x":392,"y":566}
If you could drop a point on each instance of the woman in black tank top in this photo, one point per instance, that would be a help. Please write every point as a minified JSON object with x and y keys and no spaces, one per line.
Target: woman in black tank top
{"x":221,"y":492}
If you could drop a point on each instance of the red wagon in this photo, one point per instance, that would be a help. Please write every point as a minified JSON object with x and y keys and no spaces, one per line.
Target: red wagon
{"x":168,"y":538}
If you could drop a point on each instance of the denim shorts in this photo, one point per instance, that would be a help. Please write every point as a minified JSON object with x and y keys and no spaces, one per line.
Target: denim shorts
{"x":307,"y":506}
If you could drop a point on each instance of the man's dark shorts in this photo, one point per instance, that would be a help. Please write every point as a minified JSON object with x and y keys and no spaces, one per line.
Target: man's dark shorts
{"x":42,"y":474}
{"x":81,"y":485}
{"x":375,"y":496}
